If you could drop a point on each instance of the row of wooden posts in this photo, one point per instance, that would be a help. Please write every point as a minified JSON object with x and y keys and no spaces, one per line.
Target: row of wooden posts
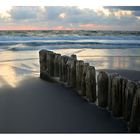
{"x":111,"y":91}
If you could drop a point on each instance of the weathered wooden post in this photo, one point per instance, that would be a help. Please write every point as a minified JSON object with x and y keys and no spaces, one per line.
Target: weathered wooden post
{"x":102,"y":80}
{"x":83,"y":80}
{"x":111,"y":76}
{"x":134,"y":125}
{"x":129,"y":95}
{"x":73,"y":56}
{"x":60,"y":69}
{"x":64,"y":68}
{"x":116,"y":96}
{"x":43,"y":66}
{"x":68,"y":70}
{"x":56,"y":64}
{"x":124,"y":83}
{"x":91,"y":84}
{"x":42,"y":60}
{"x":73,"y":73}
{"x":79,"y":71}
{"x":50,"y":63}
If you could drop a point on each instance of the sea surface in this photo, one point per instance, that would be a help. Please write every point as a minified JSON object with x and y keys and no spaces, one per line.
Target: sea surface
{"x":102,"y":49}
{"x":36,"y":40}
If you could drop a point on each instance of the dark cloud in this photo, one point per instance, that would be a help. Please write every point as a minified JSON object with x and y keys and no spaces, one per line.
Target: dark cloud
{"x":131,"y":8}
{"x":135,"y":9}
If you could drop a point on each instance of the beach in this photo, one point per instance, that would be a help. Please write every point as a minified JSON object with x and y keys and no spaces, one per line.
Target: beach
{"x":31,"y":105}
{"x":15,"y":65}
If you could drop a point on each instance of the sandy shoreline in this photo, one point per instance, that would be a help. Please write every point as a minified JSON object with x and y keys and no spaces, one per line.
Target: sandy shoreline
{"x":31,"y":105}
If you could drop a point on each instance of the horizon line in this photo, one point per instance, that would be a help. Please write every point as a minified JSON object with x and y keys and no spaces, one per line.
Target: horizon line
{"x":67,"y":30}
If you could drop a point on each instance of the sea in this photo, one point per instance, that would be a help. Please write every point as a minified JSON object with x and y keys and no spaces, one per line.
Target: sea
{"x":102,"y":49}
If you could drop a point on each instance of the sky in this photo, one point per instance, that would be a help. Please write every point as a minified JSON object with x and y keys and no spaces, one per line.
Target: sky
{"x":68,"y":16}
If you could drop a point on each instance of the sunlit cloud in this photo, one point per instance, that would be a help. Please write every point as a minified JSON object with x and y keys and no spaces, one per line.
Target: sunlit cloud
{"x":123,"y":13}
{"x":102,"y":11}
{"x":4,"y":11}
{"x":62,"y":15}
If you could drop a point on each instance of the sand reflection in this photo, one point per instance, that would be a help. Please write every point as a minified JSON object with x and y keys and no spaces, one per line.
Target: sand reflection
{"x":16,"y":66}
{"x":107,"y":58}
{"x":9,"y":76}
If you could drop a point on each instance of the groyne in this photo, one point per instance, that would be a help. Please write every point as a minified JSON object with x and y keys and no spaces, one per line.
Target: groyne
{"x":110,"y":91}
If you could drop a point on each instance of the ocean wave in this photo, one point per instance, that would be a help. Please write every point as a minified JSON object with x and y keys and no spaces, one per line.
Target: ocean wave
{"x":23,"y":47}
{"x":36,"y":40}
{"x":71,"y":42}
{"x":69,"y":33}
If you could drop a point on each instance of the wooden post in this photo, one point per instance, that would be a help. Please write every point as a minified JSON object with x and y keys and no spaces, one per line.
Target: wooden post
{"x":42,"y":60}
{"x":68,"y":70}
{"x":64,"y":68}
{"x":102,"y":89}
{"x":60,"y":69}
{"x":116,"y":96}
{"x":83,"y":80}
{"x":46,"y":64}
{"x":43,"y":66}
{"x":73,"y":73}
{"x":56,"y":64}
{"x":73,"y":56}
{"x":124,"y":83}
{"x":129,"y":95}
{"x":79,"y":71}
{"x":91,"y":84}
{"x":111,"y":76}
{"x":134,"y":125}
{"x":50,"y":59}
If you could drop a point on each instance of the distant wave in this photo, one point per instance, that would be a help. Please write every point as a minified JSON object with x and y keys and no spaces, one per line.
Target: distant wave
{"x":69,"y":42}
{"x":68,"y":32}
{"x":23,"y":47}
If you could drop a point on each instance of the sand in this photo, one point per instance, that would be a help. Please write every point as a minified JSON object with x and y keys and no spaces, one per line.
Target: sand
{"x":36,"y":106}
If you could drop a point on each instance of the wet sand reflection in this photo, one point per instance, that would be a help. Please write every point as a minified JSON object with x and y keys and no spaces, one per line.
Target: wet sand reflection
{"x":130,"y":63}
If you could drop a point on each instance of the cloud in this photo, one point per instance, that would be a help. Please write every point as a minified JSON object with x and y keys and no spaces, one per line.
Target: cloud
{"x":131,"y":8}
{"x":24,"y":13}
{"x":73,"y":17}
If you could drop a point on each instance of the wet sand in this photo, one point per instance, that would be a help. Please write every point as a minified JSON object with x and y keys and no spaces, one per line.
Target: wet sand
{"x":36,"y":106}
